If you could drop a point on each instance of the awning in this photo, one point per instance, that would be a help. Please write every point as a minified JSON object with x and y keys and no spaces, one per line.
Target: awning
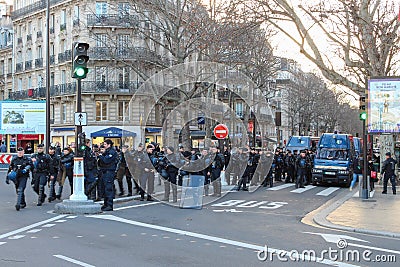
{"x":153,"y":130}
{"x":112,"y":132}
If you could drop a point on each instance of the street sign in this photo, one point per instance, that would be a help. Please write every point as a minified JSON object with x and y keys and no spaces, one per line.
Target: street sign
{"x":80,"y":119}
{"x":221,"y":131}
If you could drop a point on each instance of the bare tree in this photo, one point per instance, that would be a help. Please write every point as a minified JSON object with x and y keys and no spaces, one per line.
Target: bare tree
{"x":362,"y":35}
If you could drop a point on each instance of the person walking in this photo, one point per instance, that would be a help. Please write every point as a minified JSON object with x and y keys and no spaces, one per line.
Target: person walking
{"x":20,"y":167}
{"x":107,"y":162}
{"x":356,"y":172}
{"x":43,"y":170}
{"x":388,"y":169}
{"x":66,"y":170}
{"x":56,"y":168}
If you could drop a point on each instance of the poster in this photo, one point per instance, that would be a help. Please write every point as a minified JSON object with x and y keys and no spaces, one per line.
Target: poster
{"x":384,"y":105}
{"x":23,"y":117}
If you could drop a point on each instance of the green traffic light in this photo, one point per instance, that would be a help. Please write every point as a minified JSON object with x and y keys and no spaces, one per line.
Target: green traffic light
{"x":80,"y":72}
{"x":82,"y":147}
{"x":363,"y":116}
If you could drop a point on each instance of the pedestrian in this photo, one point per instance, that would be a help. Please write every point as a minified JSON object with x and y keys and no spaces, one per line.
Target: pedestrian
{"x":28,"y":148}
{"x":227,"y":157}
{"x":66,"y":170}
{"x":302,"y":164}
{"x":216,"y":167}
{"x":146,"y":178}
{"x":3,"y":147}
{"x":171,"y":161}
{"x":388,"y":169}
{"x":290,"y":162}
{"x":357,"y":173}
{"x":90,"y":171}
{"x":279,"y":164}
{"x":20,"y":166}
{"x":42,"y":172}
{"x":56,"y":168}
{"x":108,"y":164}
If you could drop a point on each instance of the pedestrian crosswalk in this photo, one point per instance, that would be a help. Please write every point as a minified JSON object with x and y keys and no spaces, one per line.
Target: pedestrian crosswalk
{"x":319,"y":191}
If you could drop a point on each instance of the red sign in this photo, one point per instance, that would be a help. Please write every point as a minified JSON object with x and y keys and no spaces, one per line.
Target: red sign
{"x":5,"y":159}
{"x":221,"y":131}
{"x":250,"y":126}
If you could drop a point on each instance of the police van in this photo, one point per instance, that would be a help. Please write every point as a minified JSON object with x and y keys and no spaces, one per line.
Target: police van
{"x":301,"y":142}
{"x":333,"y":159}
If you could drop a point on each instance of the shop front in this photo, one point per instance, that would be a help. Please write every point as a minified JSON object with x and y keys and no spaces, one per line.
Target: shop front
{"x":118,"y":136}
{"x":63,"y":136}
{"x":154,"y":135}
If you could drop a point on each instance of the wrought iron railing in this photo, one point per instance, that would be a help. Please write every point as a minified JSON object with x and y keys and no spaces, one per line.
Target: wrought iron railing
{"x":116,"y":20}
{"x":66,"y":56}
{"x":39,"y":34}
{"x":19,"y":67}
{"x":39,"y":63}
{"x":29,"y":37}
{"x":28,"y":65}
{"x":37,"y":6}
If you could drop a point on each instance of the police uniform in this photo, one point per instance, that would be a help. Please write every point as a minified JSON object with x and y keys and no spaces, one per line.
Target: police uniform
{"x":302,"y":164}
{"x":108,"y":164}
{"x":56,"y":167}
{"x":388,"y":169}
{"x":21,"y":165}
{"x":43,"y":169}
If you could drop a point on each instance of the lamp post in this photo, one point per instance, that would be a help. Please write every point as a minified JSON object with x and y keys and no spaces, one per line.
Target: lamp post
{"x":47,"y":138}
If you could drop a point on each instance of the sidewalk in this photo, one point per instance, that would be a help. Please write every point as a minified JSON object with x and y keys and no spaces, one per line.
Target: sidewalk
{"x":379,"y":215}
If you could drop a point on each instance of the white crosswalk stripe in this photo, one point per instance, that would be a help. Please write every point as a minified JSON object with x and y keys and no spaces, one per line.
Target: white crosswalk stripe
{"x":2,"y":243}
{"x":279,"y":187}
{"x":16,"y":237}
{"x":302,"y":190}
{"x":327,"y":191}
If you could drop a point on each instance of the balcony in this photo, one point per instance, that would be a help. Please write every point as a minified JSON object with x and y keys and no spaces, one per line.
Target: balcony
{"x":29,"y":38}
{"x":39,"y":35}
{"x":66,"y":56}
{"x":19,"y":67}
{"x":127,"y":53}
{"x":63,"y":27}
{"x":75,"y":23}
{"x":117,"y":20}
{"x":37,"y":6}
{"x":28,"y":65}
{"x":39,"y":63}
{"x":88,"y":87}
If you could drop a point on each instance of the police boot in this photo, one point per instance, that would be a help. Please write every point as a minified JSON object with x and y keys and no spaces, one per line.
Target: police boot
{"x":166,"y":191}
{"x":52,"y":192}
{"x":141,"y":194}
{"x":58,"y":195}
{"x":41,"y":195}
{"x":19,"y":200}
{"x":206,"y":190}
{"x":121,"y":188}
{"x":174,"y":193}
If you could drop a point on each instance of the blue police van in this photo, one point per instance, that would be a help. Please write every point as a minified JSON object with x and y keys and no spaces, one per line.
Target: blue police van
{"x":300,"y":143}
{"x":333,"y":159}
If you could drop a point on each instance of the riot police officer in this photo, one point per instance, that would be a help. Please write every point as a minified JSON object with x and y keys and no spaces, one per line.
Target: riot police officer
{"x":56,"y":167}
{"x":388,"y":169}
{"x":279,"y":164}
{"x":21,"y":165}
{"x":172,"y":163}
{"x":90,"y":171}
{"x":290,"y":162}
{"x":43,"y":170}
{"x":216,"y":167}
{"x":302,"y":163}
{"x":107,"y":162}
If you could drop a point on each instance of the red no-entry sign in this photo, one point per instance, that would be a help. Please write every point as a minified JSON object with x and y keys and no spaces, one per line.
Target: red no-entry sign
{"x":221,"y":131}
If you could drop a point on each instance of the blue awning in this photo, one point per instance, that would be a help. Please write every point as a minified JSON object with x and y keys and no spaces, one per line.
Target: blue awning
{"x":153,"y":130}
{"x":113,"y":132}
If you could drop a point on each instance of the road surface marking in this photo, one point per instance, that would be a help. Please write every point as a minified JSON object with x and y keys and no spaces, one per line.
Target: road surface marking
{"x":73,"y":261}
{"x":71,"y":217}
{"x":220,"y":240}
{"x":16,"y":237}
{"x":2,"y":243}
{"x":60,"y":221}
{"x":34,"y":231}
{"x":302,"y":190}
{"x":23,"y":229}
{"x":327,"y":191}
{"x":279,"y":187}
{"x":371,"y":194}
{"x":49,"y":225}
{"x":137,"y":206}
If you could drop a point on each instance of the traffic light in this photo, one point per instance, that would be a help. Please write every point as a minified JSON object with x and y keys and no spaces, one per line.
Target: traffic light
{"x":363,"y":108}
{"x":79,"y":60}
{"x":81,"y":144}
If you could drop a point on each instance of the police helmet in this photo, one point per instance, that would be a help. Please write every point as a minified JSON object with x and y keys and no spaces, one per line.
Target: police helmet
{"x":12,"y":175}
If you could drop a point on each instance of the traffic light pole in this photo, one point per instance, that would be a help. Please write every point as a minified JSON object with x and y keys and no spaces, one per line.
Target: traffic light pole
{"x":365,"y":190}
{"x":78,"y":129}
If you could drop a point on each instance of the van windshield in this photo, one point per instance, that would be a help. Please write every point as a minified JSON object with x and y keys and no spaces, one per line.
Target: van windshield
{"x":336,"y":154}
{"x":298,"y":141}
{"x":338,"y":142}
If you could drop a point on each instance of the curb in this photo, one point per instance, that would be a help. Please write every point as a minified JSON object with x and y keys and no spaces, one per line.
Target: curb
{"x":321,"y":219}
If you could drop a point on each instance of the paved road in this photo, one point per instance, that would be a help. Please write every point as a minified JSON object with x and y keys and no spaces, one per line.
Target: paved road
{"x":228,"y":232}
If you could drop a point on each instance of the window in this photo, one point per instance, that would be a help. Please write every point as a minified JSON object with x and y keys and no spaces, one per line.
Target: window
{"x":123,"y":78}
{"x":40,"y":81}
{"x":63,"y":16}
{"x":64,"y":113}
{"x":101,"y":40}
{"x":29,"y":82}
{"x":239,"y":109}
{"x":123,"y":111}
{"x":101,"y":8}
{"x":19,"y":57}
{"x":52,"y":112}
{"x":52,"y":79}
{"x":39,"y":52}
{"x":39,"y":25}
{"x":20,"y":84}
{"x":9,"y":65}
{"x":123,"y":8}
{"x":29,"y":30}
{"x":76,"y":12}
{"x":2,"y":67}
{"x":101,"y":110}
{"x":29,"y":54}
